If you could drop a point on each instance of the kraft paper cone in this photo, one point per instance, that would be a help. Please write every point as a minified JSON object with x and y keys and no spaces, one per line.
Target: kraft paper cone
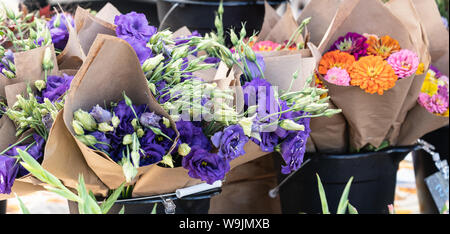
{"x":88,"y":27}
{"x":29,"y":64}
{"x":64,"y":159}
{"x":270,"y":20}
{"x":436,"y":32}
{"x":407,"y":13}
{"x":370,"y":116}
{"x":21,"y":189}
{"x":321,"y":13}
{"x":111,"y":67}
{"x":108,"y":13}
{"x":283,"y":29}
{"x":418,"y":123}
{"x":4,"y":82}
{"x":181,"y":32}
{"x":330,"y":134}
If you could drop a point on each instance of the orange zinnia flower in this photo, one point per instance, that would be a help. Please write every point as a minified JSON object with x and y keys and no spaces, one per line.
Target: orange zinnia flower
{"x":336,"y":58}
{"x":383,"y":46}
{"x":373,"y":74}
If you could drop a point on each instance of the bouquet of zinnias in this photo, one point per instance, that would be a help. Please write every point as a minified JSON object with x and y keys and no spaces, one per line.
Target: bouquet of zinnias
{"x":369,"y":68}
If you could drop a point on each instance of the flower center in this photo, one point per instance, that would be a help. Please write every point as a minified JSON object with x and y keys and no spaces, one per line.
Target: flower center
{"x":406,"y":65}
{"x":345,"y":45}
{"x":204,"y":164}
{"x":371,"y":72}
{"x":384,"y":49}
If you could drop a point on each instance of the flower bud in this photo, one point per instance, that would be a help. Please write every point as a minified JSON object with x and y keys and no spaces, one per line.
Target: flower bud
{"x":151,"y":63}
{"x":9,"y":13}
{"x":152,"y":88}
{"x":220,"y":10}
{"x":184,"y":149}
{"x":331,"y":112}
{"x":249,"y":53}
{"x":243,"y":33}
{"x":291,"y":125}
{"x":77,"y":128}
{"x":127,"y":100}
{"x":140,"y":132}
{"x":86,"y":120}
{"x":47,"y":63}
{"x":315,"y":108}
{"x":105,"y":127}
{"x":134,"y":123}
{"x":129,"y":171}
{"x":40,"y":85}
{"x":57,"y":21}
{"x":233,"y":37}
{"x":100,"y":115}
{"x":8,"y":74}
{"x":217,"y":22}
{"x":115,"y":121}
{"x":127,"y":139}
{"x":166,"y":122}
{"x":148,"y":119}
{"x":246,"y":124}
{"x":88,"y":140}
{"x":167,"y":159}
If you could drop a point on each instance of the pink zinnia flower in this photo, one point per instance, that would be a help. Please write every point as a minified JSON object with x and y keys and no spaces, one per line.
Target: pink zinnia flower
{"x":338,"y":76}
{"x":404,"y":63}
{"x":435,"y":104}
{"x":265,"y":46}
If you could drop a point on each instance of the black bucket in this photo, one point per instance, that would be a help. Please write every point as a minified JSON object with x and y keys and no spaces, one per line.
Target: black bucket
{"x":3,"y":204}
{"x":372,"y":189}
{"x":424,"y":166}
{"x":192,"y":204}
{"x":200,"y":14}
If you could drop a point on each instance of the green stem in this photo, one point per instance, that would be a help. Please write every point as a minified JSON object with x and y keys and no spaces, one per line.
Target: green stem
{"x":15,"y":144}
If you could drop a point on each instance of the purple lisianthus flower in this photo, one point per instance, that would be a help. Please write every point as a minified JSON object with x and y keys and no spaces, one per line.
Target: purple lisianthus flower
{"x":153,"y":151}
{"x":261,"y":93}
{"x":35,"y":149}
{"x":56,"y":87}
{"x":253,"y":68}
{"x":8,"y":57}
{"x":206,"y":166}
{"x":230,"y":142}
{"x":192,"y":135}
{"x":140,"y":47}
{"x":352,"y":43}
{"x":9,"y":167}
{"x":100,"y":115}
{"x":60,"y":34}
{"x":294,"y":145}
{"x":134,"y":25}
{"x":103,"y":141}
{"x":268,"y":141}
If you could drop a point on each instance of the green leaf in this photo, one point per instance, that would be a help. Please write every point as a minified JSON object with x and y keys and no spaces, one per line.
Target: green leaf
{"x":323,"y":198}
{"x":154,"y":208}
{"x":344,"y":198}
{"x":88,"y":205}
{"x":22,"y":206}
{"x":122,"y":211}
{"x":352,"y":209}
{"x":106,"y":205}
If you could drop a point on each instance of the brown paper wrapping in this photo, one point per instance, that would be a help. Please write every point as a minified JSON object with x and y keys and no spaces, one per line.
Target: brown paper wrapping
{"x":321,"y":13}
{"x":87,"y":27}
{"x":407,"y":13}
{"x":270,"y":20}
{"x":370,"y":116}
{"x":111,"y":67}
{"x":419,"y":122}
{"x":283,"y":29}
{"x":436,"y":32}
{"x":28,"y":69}
{"x":64,"y":159}
{"x":21,"y":189}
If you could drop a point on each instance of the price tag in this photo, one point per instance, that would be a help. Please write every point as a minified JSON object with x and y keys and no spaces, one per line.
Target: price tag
{"x":438,"y":187}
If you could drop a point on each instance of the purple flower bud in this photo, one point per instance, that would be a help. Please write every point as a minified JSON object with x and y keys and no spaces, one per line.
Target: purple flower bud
{"x":148,"y":119}
{"x":100,"y":115}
